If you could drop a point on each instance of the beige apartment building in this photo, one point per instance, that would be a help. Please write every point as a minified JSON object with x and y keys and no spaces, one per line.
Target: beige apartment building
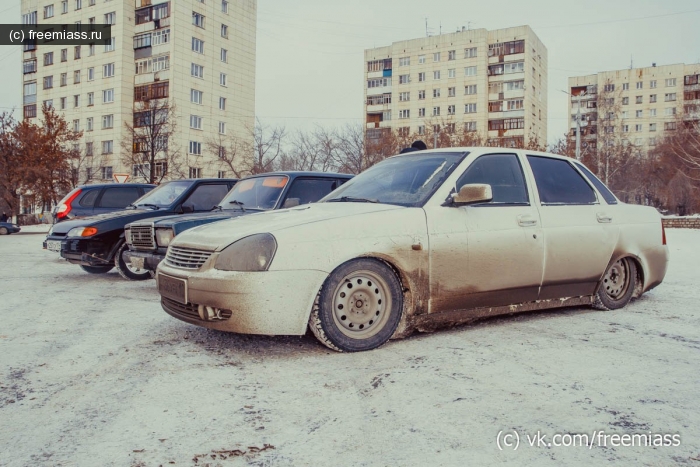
{"x":635,"y":105}
{"x":490,"y":82}
{"x":199,"y":55}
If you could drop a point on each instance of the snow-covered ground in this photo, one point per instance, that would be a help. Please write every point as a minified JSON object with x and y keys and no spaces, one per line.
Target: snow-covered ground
{"x":94,"y":373}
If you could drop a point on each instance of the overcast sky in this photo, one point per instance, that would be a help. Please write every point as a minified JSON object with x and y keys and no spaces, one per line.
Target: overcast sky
{"x":310,"y":52}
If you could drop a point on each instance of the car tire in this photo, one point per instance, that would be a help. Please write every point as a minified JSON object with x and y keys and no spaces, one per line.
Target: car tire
{"x":616,"y":289}
{"x":4,"y":231}
{"x":96,"y":269}
{"x":125,"y":269}
{"x":358,"y":307}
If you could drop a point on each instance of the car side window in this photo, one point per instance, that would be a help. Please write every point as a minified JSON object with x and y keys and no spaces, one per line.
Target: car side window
{"x":559,"y":183}
{"x":119,"y":197}
{"x":206,"y":197}
{"x":310,"y":190}
{"x":88,"y":200}
{"x":505,"y":175}
{"x":604,"y":190}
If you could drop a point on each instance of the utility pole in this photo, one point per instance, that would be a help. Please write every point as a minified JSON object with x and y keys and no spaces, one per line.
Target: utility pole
{"x":578,"y":127}
{"x":435,"y":137}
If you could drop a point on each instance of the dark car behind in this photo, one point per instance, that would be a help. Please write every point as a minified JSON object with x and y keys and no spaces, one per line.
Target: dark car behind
{"x":96,"y":243}
{"x":88,"y":200}
{"x":148,"y":239}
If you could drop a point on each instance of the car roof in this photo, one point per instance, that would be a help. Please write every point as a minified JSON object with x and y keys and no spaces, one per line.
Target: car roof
{"x":302,"y":173}
{"x":464,"y":149}
{"x":102,"y":185}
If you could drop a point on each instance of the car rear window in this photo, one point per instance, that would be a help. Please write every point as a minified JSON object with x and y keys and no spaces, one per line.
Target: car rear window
{"x":88,"y":199}
{"x":119,"y":197}
{"x":559,"y":183}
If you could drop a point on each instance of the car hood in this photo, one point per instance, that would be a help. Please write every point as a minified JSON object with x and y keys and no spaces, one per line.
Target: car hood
{"x":219,"y":235}
{"x":126,"y":215}
{"x":180,"y":223}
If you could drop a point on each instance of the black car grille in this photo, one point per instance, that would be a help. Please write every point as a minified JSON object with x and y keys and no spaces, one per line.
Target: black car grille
{"x":186,"y":258}
{"x":142,"y":237}
{"x":189,"y":310}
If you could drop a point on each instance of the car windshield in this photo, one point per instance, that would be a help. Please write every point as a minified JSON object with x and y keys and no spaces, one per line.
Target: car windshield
{"x":259,"y":193}
{"x":164,"y":195}
{"x":407,"y":180}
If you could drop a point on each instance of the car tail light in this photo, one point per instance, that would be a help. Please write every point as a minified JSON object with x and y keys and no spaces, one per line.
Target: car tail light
{"x":65,"y":207}
{"x":663,"y":233}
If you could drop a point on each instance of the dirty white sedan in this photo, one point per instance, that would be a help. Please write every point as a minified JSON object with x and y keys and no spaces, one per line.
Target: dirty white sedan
{"x":419,"y":241}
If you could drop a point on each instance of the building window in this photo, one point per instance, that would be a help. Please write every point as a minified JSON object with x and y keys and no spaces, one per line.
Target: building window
{"x":88,"y":127}
{"x":108,"y":70}
{"x":76,"y":77}
{"x":222,"y":128}
{"x":670,"y":111}
{"x":421,"y":112}
{"x":48,"y":11}
{"x":91,"y":50}
{"x":108,"y":148}
{"x":451,"y":55}
{"x":436,"y":92}
{"x":625,"y":128}
{"x":436,"y":57}
{"x":30,"y":111}
{"x":48,"y":59}
{"x":222,"y":79}
{"x":436,"y":75}
{"x":198,"y":20}
{"x":404,"y":79}
{"x":450,"y":110}
{"x":652,"y":98}
{"x":470,"y":89}
{"x":670,"y":126}
{"x":652,"y":83}
{"x":610,"y":87}
{"x":638,"y":99}
{"x":436,"y":111}
{"x":197,"y":71}
{"x":652,"y":127}
{"x":195,"y":122}
{"x":638,"y":128}
{"x":670,"y":96}
{"x":469,"y":108}
{"x":224,"y":6}
{"x":404,"y":113}
{"x":76,"y":125}
{"x":452,"y":73}
{"x":62,"y":103}
{"x":652,"y":112}
{"x":91,"y":98}
{"x":514,"y":104}
{"x":640,"y":85}
{"x":625,"y":86}
{"x":76,"y":52}
{"x":222,"y":103}
{"x":78,"y":4}
{"x":196,"y":149}
{"x":195,"y":172}
{"x":470,"y":52}
{"x":670,"y":82}
{"x":110,"y":46}
{"x":142,"y":41}
{"x":469,"y":126}
{"x":107,"y":121}
{"x":64,"y":79}
{"x":625,"y":101}
{"x":421,"y":95}
{"x":404,"y":96}
{"x":111,"y":18}
{"x":197,"y":45}
{"x":64,"y":7}
{"x":652,"y":141}
{"x":64,"y":55}
{"x":404,"y":61}
{"x":108,"y":96}
{"x":470,"y":71}
{"x":162,"y":36}
{"x":421,"y":76}
{"x":224,"y":55}
{"x":421,"y":129}
{"x":196,"y":96}
{"x":224,"y":31}
{"x":48,"y":82}
{"x":451,"y":92}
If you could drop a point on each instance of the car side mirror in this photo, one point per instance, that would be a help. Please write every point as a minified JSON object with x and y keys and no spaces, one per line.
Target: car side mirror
{"x":187,"y":208}
{"x":291,"y":202}
{"x":472,"y":193}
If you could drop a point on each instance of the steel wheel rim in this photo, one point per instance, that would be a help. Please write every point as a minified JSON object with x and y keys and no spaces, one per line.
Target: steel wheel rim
{"x":361,"y":304}
{"x":617,"y":280}
{"x":131,"y":268}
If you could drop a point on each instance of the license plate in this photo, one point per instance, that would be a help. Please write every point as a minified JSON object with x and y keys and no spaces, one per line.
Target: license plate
{"x":53,"y":245}
{"x":137,"y":262}
{"x":173,"y":288}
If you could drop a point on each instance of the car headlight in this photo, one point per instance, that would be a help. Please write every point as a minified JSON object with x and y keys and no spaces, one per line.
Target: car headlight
{"x":82,"y":232}
{"x":253,"y":253}
{"x":164,"y":236}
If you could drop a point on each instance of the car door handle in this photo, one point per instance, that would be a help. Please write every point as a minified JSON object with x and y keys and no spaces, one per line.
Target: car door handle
{"x":603,"y":218}
{"x":526,"y":220}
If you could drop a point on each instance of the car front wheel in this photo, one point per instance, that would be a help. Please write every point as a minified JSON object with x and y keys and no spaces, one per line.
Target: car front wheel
{"x":359,"y":306}
{"x":616,"y":288}
{"x":96,"y":269}
{"x":4,"y":231}
{"x":126,"y":270}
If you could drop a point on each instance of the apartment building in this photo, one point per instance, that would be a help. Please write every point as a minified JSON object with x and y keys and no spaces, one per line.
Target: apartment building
{"x":635,"y":105}
{"x":490,"y":82}
{"x":197,"y":54}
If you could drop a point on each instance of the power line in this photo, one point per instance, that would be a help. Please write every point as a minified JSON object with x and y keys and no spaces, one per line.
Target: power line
{"x":616,"y":20}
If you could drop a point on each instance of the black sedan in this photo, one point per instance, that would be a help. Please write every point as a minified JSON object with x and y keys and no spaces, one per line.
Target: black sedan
{"x":7,"y":228}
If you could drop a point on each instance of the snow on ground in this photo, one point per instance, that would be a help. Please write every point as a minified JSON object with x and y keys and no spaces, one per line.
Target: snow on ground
{"x":94,"y":373}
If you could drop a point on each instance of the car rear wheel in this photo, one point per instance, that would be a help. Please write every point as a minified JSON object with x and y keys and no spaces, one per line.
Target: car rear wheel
{"x":359,"y":306}
{"x":126,"y":270}
{"x":4,"y":231}
{"x":96,"y":269}
{"x":616,"y":288}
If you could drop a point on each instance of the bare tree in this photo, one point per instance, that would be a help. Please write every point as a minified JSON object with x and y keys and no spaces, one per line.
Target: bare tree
{"x":230,"y":151}
{"x":149,"y":146}
{"x":268,"y":148}
{"x":11,"y":163}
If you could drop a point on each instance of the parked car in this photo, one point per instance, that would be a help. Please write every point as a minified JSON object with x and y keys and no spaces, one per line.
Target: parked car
{"x":421,"y":240}
{"x":148,"y":239}
{"x":88,"y":200}
{"x":97,"y":243}
{"x":7,"y":228}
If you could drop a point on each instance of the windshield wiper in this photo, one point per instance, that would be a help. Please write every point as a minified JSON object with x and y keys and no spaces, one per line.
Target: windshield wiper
{"x":350,"y":199}
{"x":217,"y":208}
{"x":153,"y":206}
{"x":237,"y":203}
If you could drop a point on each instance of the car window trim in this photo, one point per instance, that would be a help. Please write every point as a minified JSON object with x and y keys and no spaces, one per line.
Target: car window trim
{"x":522,"y":172}
{"x":585,"y":179}
{"x":576,"y":164}
{"x":289,"y":186}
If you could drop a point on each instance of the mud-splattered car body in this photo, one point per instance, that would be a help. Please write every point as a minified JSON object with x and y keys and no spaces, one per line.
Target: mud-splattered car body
{"x":455,"y":262}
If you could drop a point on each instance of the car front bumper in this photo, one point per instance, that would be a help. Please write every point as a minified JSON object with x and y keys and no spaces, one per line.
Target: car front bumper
{"x":269,"y":302}
{"x":85,"y":251}
{"x":148,"y":261}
